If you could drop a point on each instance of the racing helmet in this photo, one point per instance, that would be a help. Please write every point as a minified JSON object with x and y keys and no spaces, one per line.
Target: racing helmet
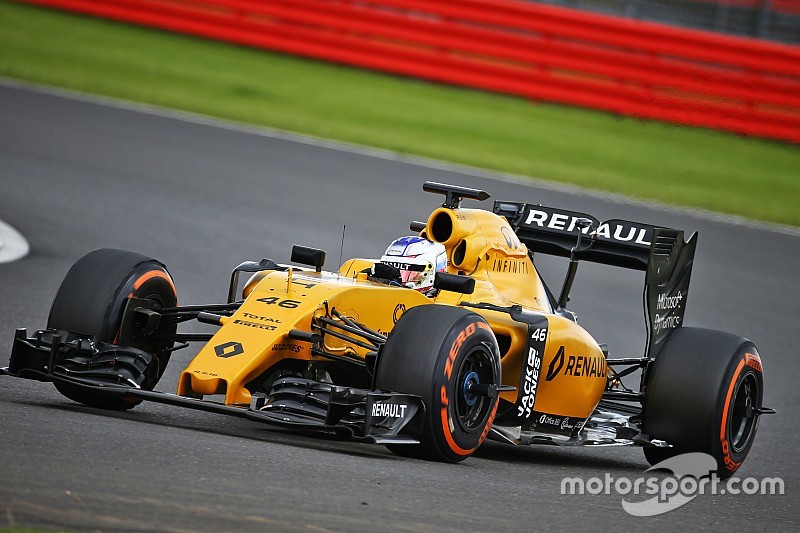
{"x":418,"y":261}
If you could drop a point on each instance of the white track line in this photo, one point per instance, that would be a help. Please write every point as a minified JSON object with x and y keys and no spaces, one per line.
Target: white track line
{"x":424,"y":162}
{"x":13,"y":245}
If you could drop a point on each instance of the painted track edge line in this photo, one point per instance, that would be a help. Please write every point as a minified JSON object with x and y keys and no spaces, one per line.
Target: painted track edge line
{"x":379,"y":153}
{"x":13,"y":245}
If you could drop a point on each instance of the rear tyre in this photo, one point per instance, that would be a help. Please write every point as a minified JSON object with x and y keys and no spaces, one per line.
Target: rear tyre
{"x":704,"y":393}
{"x":449,"y":357}
{"x":91,"y":302}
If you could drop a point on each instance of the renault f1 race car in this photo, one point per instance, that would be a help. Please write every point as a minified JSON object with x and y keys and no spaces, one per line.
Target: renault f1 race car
{"x":488,"y":351}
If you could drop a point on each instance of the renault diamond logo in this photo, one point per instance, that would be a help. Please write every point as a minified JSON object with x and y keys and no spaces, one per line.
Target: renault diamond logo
{"x":229,"y":349}
{"x":398,"y":312}
{"x":555,"y":365}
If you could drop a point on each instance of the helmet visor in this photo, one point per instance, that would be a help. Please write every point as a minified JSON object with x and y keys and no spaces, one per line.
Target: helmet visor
{"x":411,"y":270}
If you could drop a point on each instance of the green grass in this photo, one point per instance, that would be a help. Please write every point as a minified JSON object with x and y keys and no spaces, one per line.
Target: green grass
{"x":26,"y":530}
{"x":691,"y":167}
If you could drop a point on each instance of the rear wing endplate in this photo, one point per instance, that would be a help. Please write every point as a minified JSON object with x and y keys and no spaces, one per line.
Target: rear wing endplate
{"x":660,"y":252}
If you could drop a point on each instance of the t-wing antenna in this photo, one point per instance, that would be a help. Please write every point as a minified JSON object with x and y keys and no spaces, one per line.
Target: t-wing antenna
{"x":454,"y":193}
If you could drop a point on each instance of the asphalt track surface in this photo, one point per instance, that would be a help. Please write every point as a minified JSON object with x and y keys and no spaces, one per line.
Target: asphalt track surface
{"x":75,"y":176}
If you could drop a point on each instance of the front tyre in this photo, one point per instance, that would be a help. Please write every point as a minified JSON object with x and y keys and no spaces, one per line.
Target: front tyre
{"x":449,"y":357}
{"x":704,"y":394}
{"x":91,"y":302}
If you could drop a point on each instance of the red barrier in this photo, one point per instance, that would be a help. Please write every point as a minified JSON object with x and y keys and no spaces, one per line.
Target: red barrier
{"x":540,"y":52}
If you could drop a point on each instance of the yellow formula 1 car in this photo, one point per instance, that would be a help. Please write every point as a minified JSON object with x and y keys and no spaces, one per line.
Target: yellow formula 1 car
{"x":489,"y":352}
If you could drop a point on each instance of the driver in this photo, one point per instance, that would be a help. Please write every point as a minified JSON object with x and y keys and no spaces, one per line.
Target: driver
{"x":417,"y":260}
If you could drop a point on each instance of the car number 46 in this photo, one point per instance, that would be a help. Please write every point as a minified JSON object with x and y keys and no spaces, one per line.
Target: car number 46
{"x":272,"y":300}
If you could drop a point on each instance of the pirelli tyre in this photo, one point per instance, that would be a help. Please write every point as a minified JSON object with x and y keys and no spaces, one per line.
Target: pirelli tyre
{"x":91,"y":302}
{"x":449,"y":357}
{"x":704,"y":394}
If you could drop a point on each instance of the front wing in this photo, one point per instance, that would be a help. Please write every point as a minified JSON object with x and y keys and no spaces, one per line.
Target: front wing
{"x":379,"y":417}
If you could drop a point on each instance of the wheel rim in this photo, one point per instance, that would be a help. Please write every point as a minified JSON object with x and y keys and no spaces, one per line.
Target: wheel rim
{"x":476,"y":368}
{"x":743,"y":412}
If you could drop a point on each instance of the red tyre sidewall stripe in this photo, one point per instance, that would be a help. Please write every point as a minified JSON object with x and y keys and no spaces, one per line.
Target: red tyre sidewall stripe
{"x":753,"y":361}
{"x":449,"y":436}
{"x":150,"y":275}
{"x":461,"y":337}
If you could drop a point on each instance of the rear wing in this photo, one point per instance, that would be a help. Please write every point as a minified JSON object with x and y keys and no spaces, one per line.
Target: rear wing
{"x":660,"y":252}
